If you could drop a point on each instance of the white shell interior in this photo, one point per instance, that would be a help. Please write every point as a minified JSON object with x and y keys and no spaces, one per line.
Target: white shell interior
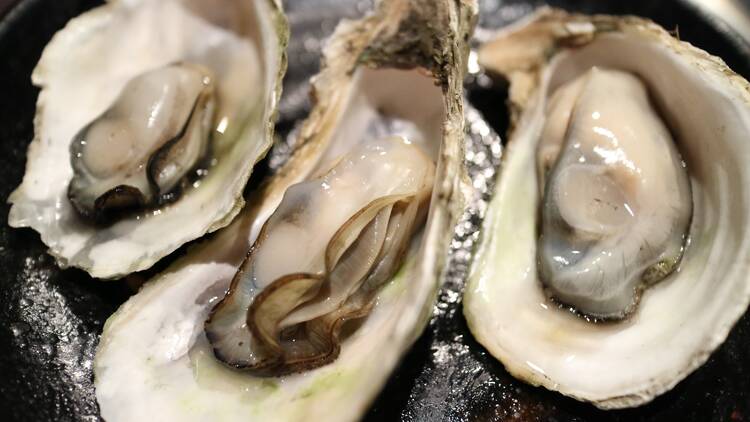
{"x":153,"y":360}
{"x":85,"y":67}
{"x":681,"y":320}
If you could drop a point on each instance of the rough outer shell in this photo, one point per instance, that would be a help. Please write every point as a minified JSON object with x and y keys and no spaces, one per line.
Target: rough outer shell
{"x":682,"y":319}
{"x":137,"y":242}
{"x":153,"y":358}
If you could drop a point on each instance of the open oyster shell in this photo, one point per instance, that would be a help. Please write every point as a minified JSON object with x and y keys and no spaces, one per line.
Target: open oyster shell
{"x":681,"y":319}
{"x":397,"y":72}
{"x":85,"y":67}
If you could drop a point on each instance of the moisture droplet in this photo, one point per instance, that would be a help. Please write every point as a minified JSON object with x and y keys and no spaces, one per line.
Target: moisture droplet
{"x":48,"y":349}
{"x":19,"y":328}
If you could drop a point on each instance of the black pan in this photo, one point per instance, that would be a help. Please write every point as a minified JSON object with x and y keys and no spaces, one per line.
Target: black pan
{"x":50,"y":319}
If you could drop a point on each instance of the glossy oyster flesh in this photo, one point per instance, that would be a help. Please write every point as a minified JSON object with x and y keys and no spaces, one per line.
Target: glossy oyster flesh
{"x":166,"y":126}
{"x":610,"y":205}
{"x":616,"y":208}
{"x":345,"y":234}
{"x":366,"y":114}
{"x":138,"y":153}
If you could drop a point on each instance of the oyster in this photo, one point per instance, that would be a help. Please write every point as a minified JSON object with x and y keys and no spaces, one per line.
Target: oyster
{"x":615,"y":213}
{"x":121,"y":161}
{"x":609,"y":204}
{"x":151,"y":140}
{"x":344,"y":234}
{"x":380,"y":133}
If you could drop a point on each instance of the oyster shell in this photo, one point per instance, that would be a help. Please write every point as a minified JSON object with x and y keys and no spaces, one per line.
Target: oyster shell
{"x":681,"y":319}
{"x":378,"y":81}
{"x":84,"y":69}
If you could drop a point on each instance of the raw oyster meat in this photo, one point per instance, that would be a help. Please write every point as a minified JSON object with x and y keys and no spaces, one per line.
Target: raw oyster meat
{"x":616,"y":210}
{"x":123,"y":161}
{"x":344,"y":233}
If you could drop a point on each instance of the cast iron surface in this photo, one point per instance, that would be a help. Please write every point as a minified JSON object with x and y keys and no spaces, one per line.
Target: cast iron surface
{"x":50,"y":319}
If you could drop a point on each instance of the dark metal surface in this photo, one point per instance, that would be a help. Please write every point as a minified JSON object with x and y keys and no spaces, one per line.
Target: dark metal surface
{"x":50,"y":319}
